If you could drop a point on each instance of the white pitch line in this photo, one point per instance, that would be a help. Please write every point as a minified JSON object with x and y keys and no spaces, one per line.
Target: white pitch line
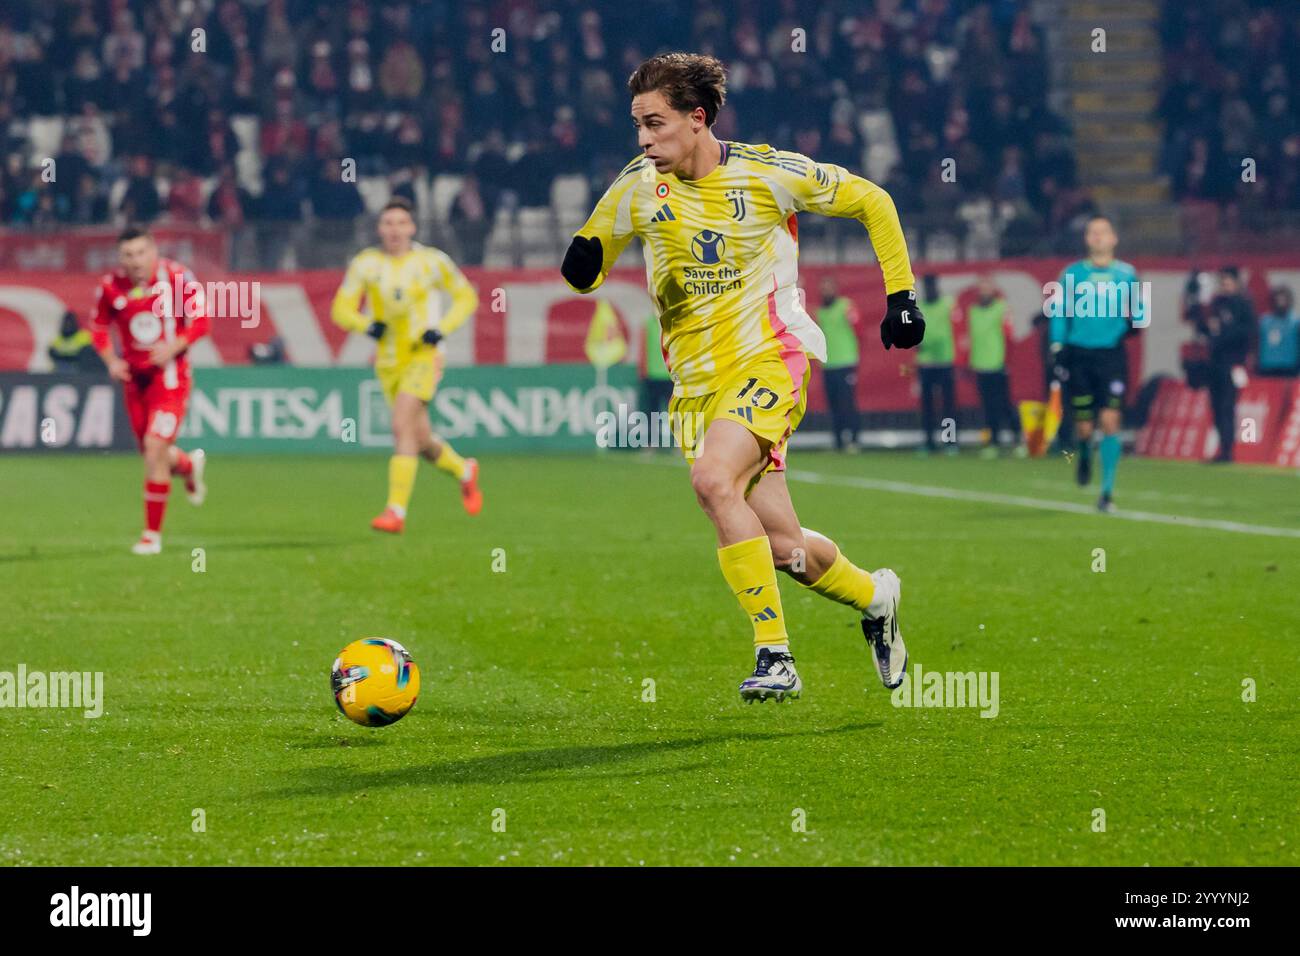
{"x":984,"y":497}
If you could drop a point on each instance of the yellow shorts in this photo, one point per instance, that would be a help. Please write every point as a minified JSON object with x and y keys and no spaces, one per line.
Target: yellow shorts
{"x":417,"y":374}
{"x":768,"y":396}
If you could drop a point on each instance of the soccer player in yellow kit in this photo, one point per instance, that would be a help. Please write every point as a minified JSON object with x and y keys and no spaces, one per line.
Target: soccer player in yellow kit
{"x":717,"y":222}
{"x":395,"y":280}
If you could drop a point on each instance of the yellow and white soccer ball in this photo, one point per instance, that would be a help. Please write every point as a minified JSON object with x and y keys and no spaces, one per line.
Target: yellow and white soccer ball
{"x":375,"y":682}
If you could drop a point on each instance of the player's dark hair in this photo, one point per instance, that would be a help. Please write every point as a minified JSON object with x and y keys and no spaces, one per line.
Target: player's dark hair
{"x":132,"y":231}
{"x":399,"y":202}
{"x":687,"y":81}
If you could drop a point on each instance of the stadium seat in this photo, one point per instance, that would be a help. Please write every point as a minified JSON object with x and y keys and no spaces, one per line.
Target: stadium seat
{"x":537,"y":229}
{"x":424,"y":211}
{"x":248,"y":161}
{"x":880,"y":160}
{"x":45,"y":135}
{"x":877,"y":128}
{"x":499,"y":250}
{"x":375,"y":191}
{"x":445,"y":189}
{"x":569,"y":193}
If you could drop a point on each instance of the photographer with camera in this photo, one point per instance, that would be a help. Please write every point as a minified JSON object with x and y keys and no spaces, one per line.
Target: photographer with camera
{"x":1224,"y":324}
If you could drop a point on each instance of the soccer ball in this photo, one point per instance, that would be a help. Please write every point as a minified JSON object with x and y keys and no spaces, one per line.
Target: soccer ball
{"x":375,"y":682}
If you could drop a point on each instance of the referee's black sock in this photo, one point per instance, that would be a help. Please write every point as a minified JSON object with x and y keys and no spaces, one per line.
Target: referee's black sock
{"x":1083,"y":467}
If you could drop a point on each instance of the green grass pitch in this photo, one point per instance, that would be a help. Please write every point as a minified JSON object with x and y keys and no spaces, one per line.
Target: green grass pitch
{"x":1119,"y":691}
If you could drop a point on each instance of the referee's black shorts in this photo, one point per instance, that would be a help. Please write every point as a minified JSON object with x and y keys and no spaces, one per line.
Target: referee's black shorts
{"x":1098,"y":378}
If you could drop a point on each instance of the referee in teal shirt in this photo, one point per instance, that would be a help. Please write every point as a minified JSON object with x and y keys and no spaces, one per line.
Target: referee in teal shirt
{"x":1099,"y":306}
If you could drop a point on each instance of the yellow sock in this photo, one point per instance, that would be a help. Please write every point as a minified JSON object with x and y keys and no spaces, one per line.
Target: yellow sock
{"x":450,"y":462}
{"x":748,"y":568}
{"x":845,"y":582}
{"x":401,"y":479}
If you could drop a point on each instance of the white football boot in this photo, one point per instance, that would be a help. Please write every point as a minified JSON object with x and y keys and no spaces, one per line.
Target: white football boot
{"x":150,"y":543}
{"x":195,"y":488}
{"x":774,"y":676}
{"x":881,"y":630}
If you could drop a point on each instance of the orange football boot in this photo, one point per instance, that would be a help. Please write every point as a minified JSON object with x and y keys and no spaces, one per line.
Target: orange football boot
{"x":470,"y":496}
{"x":389,"y":521}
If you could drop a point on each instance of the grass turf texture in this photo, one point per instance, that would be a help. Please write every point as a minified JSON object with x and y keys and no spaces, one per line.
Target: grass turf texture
{"x":1119,"y":690}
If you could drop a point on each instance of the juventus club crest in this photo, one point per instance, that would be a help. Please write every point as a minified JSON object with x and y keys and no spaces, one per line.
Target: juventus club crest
{"x":737,"y":197}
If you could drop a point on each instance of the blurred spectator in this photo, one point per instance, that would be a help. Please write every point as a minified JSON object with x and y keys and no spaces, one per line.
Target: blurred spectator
{"x":492,"y":171}
{"x":283,"y":133}
{"x":140,"y":202}
{"x":71,"y":350}
{"x":124,"y":44}
{"x":934,"y":362}
{"x":69,"y":169}
{"x":85,"y":82}
{"x":185,"y":198}
{"x":990,"y":331}
{"x":229,"y":203}
{"x":213,"y":148}
{"x":470,"y":220}
{"x":91,"y":132}
{"x":332,"y":196}
{"x":1225,"y":325}
{"x":656,"y":382}
{"x":401,"y":73}
{"x":839,"y":322}
{"x":89,"y":205}
{"x":1279,"y":335}
{"x":532,"y":173}
{"x":282,"y":196}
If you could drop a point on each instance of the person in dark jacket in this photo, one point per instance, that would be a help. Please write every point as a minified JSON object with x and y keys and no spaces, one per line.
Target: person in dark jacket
{"x":1225,"y":324}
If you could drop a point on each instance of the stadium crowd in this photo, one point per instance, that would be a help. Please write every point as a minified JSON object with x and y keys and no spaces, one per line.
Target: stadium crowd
{"x":146,"y":100}
{"x":1231,"y":94}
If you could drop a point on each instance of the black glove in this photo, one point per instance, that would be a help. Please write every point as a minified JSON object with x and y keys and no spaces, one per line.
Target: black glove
{"x":582,"y":262}
{"x":903,"y":324}
{"x":431,"y":337}
{"x":377,"y":330}
{"x":1060,"y":364}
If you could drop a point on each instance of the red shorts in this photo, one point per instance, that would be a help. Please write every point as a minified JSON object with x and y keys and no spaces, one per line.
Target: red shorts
{"x":153,"y":408}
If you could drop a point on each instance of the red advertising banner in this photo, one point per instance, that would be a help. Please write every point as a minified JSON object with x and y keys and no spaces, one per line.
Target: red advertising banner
{"x":530,"y":317}
{"x":1181,"y":423}
{"x":1288,"y":442}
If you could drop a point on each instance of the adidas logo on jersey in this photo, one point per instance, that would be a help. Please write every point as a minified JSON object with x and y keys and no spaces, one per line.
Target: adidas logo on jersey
{"x":744,"y":411}
{"x":665,"y":214}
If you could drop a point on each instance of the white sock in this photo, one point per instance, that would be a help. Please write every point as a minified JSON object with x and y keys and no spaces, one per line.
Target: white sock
{"x":879,"y":601}
{"x":398,"y":510}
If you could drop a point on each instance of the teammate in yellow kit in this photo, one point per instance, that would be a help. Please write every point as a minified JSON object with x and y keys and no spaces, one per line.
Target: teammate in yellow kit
{"x":395,"y":280}
{"x":717,"y":222}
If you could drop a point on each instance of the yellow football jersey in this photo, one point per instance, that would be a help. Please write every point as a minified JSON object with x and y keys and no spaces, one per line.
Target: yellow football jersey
{"x":397,"y":291}
{"x":721,"y":253}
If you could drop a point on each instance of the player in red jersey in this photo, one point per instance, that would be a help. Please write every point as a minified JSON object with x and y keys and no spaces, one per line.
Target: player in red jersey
{"x":158,"y":310}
